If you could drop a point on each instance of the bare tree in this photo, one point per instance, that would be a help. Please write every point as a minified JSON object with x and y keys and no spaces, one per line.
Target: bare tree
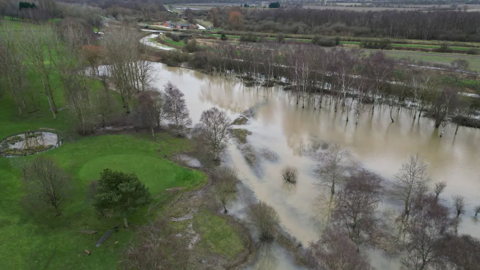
{"x":150,"y":109}
{"x":459,"y":252}
{"x":357,"y":202}
{"x":444,"y":105}
{"x":410,"y":182}
{"x":158,"y":248}
{"x":331,"y":171}
{"x":176,"y":109}
{"x":129,"y":72}
{"x":427,"y":226}
{"x":225,"y":180}
{"x":421,"y":82}
{"x":39,"y":49}
{"x":14,"y":70}
{"x":477,"y":210}
{"x":439,"y":188}
{"x":214,"y":128}
{"x":335,"y":251}
{"x":47,"y":183}
{"x":290,"y":174}
{"x":459,"y":204}
{"x":265,"y":219}
{"x":378,"y":69}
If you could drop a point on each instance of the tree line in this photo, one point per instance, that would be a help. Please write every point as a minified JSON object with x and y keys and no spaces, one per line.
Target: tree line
{"x":350,"y":79}
{"x":435,"y":25}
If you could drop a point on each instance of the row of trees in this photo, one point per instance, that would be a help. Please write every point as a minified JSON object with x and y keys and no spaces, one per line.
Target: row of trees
{"x":57,"y":56}
{"x":423,"y":234}
{"x":436,"y":25}
{"x":352,"y":79}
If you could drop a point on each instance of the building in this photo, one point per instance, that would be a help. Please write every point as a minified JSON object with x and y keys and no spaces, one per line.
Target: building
{"x":170,"y":24}
{"x":185,"y":26}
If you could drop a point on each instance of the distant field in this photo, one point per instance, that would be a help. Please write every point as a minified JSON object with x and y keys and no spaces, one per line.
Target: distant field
{"x":395,"y":45}
{"x":340,"y":6}
{"x":358,"y":7}
{"x":436,"y":58}
{"x":439,"y":58}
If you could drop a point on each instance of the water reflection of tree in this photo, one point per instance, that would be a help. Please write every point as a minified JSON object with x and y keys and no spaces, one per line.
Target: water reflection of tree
{"x":289,"y":188}
{"x":266,"y":258}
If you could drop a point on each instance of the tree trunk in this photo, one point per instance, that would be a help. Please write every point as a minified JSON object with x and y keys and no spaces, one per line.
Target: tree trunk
{"x":125,"y":222}
{"x":49,"y":101}
{"x":391,"y":117}
{"x":456,"y":129}
{"x":153,"y":132}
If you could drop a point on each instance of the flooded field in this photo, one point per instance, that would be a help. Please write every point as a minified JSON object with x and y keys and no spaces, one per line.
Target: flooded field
{"x":284,"y":130}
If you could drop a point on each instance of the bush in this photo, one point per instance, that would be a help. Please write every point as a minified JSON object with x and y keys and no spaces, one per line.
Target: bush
{"x":248,"y":38}
{"x":290,"y":174}
{"x":224,"y":37}
{"x":191,"y":46}
{"x":444,"y":48}
{"x":280,"y":38}
{"x":274,"y":5}
{"x":325,"y":42}
{"x":473,"y":51}
{"x":174,"y":58}
{"x":265,"y":219}
{"x":173,"y":37}
{"x":384,"y":44}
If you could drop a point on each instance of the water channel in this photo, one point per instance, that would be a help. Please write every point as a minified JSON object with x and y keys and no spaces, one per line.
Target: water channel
{"x":286,"y":129}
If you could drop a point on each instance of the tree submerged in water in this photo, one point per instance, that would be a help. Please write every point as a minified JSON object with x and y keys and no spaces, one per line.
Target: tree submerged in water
{"x":265,"y":219}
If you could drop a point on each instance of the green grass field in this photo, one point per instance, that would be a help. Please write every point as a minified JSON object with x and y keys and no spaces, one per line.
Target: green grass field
{"x":173,"y":43}
{"x":218,"y":236}
{"x":36,"y":239}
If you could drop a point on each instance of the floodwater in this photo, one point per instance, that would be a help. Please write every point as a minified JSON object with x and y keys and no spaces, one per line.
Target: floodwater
{"x":286,"y":129}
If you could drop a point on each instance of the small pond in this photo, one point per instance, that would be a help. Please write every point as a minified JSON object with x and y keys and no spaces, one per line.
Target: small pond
{"x":29,"y":143}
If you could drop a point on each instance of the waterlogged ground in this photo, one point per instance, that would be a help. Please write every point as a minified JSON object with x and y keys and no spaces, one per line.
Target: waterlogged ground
{"x":287,"y":132}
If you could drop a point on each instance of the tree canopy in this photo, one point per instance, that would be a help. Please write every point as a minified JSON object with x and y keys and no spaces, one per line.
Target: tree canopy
{"x":119,"y":191}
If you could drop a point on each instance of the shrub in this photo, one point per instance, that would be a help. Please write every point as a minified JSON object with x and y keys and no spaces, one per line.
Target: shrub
{"x":274,"y":5}
{"x":290,"y":174}
{"x":173,"y":36}
{"x":174,"y":58}
{"x":280,"y":38}
{"x":265,"y":219}
{"x":248,"y":38}
{"x":325,"y":42}
{"x":384,"y":44}
{"x":224,"y":37}
{"x":473,"y":51}
{"x":191,"y":46}
{"x":444,"y":48}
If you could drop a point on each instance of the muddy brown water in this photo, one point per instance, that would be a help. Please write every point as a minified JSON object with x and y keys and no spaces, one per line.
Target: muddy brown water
{"x":281,"y":126}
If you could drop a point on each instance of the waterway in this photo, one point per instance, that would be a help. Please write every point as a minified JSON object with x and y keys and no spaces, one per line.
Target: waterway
{"x":291,"y":132}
